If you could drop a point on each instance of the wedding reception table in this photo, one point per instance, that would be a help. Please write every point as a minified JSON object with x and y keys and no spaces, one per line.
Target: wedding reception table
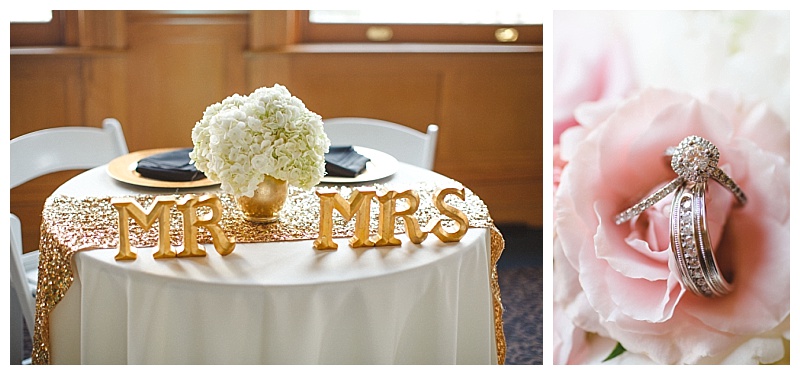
{"x":274,"y":302}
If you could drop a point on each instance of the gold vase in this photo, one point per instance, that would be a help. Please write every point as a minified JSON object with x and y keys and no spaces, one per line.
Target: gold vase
{"x":266,"y":202}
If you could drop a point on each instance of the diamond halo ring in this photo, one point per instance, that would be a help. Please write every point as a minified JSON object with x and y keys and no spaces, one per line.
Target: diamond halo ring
{"x":694,"y":160}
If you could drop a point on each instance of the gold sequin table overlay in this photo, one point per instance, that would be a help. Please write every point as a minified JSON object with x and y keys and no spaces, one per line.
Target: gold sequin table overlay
{"x":71,"y":224}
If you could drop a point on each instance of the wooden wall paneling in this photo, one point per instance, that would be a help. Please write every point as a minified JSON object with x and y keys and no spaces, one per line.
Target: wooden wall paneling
{"x":104,"y":70}
{"x":47,"y":92}
{"x":493,"y":105}
{"x":391,"y":88}
{"x":63,"y":87}
{"x":267,"y":69}
{"x":102,"y":28}
{"x":399,"y":88}
{"x":269,"y":29}
{"x":488,"y":107}
{"x":105,"y":90}
{"x":177,"y":66}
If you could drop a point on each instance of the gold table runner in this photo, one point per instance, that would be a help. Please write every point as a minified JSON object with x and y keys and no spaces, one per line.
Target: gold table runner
{"x":76,"y":224}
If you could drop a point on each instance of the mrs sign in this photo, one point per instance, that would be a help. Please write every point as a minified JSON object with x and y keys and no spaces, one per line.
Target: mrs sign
{"x":357,"y":205}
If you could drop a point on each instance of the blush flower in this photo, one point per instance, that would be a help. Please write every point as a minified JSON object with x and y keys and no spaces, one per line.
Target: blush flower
{"x":592,"y":62}
{"x":619,"y":283}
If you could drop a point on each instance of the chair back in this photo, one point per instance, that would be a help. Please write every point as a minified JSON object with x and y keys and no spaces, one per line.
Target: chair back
{"x":64,"y":148}
{"x":405,"y":144}
{"x":43,"y":152}
{"x":18,"y":276}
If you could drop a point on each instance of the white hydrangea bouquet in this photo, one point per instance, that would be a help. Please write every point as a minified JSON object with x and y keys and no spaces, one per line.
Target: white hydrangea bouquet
{"x":269,"y":132}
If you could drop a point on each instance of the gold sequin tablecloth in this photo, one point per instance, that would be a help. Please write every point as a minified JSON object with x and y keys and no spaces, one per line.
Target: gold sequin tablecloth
{"x":78,"y":224}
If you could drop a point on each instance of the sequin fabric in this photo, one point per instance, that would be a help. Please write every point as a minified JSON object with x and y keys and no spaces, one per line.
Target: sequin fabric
{"x":76,"y":224}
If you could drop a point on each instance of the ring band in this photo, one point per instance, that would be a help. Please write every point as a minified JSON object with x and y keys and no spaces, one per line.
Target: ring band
{"x":691,"y":243}
{"x":694,"y":160}
{"x":648,"y":202}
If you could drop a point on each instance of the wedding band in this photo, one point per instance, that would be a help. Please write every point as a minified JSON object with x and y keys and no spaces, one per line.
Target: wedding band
{"x":691,"y":243}
{"x":694,"y":160}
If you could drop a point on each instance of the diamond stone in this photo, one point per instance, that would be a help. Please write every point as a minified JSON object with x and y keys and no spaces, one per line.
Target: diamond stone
{"x":695,"y":159}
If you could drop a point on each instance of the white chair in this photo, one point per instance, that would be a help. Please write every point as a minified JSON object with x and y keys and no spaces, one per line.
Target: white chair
{"x":405,"y":144}
{"x":37,"y":154}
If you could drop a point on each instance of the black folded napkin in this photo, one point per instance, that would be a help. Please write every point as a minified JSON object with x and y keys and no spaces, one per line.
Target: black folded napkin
{"x":170,"y":166}
{"x":344,"y":161}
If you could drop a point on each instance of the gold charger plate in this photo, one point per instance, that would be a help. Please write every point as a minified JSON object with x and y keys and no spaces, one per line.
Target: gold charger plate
{"x":123,"y":169}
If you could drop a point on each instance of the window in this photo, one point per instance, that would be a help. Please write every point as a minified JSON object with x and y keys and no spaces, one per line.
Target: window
{"x":413,"y":26}
{"x":414,"y":16}
{"x":17,"y":14}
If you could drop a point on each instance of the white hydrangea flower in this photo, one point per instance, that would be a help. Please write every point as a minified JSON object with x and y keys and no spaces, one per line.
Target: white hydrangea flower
{"x":269,"y":132}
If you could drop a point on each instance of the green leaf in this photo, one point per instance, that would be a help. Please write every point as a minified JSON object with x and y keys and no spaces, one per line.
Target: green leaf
{"x":619,"y":349}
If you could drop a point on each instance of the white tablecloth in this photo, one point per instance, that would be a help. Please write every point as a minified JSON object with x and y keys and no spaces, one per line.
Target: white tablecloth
{"x":279,"y":303}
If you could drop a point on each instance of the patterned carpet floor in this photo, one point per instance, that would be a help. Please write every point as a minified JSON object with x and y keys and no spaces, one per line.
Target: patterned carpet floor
{"x":521,"y":292}
{"x":520,"y":275}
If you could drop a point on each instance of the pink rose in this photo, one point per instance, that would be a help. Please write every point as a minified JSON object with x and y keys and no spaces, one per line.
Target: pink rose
{"x":558,"y":166}
{"x":591,"y":63}
{"x":619,"y":282}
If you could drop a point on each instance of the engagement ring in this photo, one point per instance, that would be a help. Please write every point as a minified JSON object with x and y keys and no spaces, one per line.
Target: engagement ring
{"x":694,"y":160}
